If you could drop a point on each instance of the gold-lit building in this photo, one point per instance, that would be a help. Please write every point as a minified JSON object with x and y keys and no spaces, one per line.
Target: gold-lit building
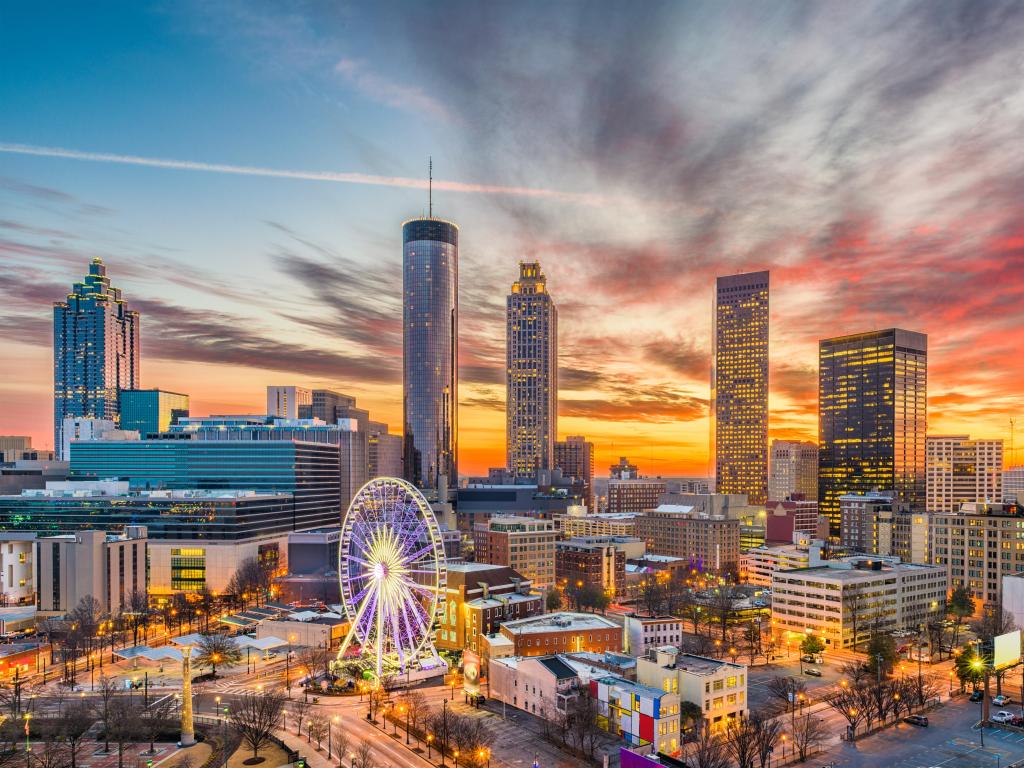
{"x":872,"y":418}
{"x":739,"y":386}
{"x":532,"y":373}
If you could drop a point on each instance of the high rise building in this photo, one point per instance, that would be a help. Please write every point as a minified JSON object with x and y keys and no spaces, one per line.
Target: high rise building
{"x":149,"y":411}
{"x":384,"y":452}
{"x":1013,"y":485}
{"x":430,"y":360}
{"x":531,"y":357}
{"x":872,"y":417}
{"x":95,"y":351}
{"x":793,"y":469}
{"x":739,"y":386}
{"x":288,"y":402}
{"x":624,"y":470}
{"x":959,"y":469}
{"x":575,"y":457}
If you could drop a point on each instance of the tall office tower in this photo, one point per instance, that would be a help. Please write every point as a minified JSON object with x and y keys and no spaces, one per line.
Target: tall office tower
{"x":150,"y":411}
{"x":624,"y":470}
{"x":288,"y":402}
{"x":575,"y":457}
{"x":430,"y":359}
{"x":531,"y":356}
{"x":959,"y":469}
{"x":739,"y":386}
{"x":872,"y":418}
{"x":793,"y":469}
{"x":95,"y":351}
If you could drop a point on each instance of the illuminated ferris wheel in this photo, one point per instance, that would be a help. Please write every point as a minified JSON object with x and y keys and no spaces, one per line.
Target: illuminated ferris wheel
{"x":391,"y":565}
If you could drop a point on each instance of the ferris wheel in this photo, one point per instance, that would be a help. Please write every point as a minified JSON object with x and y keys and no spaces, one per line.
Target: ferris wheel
{"x":391,"y":565}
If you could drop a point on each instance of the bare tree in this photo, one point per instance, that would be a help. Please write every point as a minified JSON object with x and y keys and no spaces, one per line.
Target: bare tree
{"x":847,"y":703}
{"x":315,"y":662}
{"x":124,"y":728}
{"x":788,"y":691}
{"x":107,"y":692}
{"x":341,"y":740}
{"x":255,"y":716}
{"x":136,"y":612}
{"x":54,"y":754}
{"x":155,"y":719}
{"x":767,"y":731}
{"x":317,"y":728}
{"x":808,"y":734}
{"x":364,"y":757}
{"x":298,"y":711}
{"x":710,"y":750}
{"x":854,"y":605}
{"x":74,"y":723}
{"x":583,"y":722}
{"x":742,"y":742}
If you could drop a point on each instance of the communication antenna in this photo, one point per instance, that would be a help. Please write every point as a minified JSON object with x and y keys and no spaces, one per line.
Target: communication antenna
{"x":430,"y":187}
{"x":1013,"y":455}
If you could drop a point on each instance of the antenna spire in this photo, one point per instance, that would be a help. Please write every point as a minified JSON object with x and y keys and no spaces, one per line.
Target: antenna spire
{"x":430,"y":187}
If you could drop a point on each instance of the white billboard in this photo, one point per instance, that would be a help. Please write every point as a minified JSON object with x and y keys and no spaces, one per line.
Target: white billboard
{"x":1006,"y":650}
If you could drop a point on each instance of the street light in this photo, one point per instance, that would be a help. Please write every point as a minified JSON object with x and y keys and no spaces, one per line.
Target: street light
{"x":335,"y":721}
{"x":430,"y":739}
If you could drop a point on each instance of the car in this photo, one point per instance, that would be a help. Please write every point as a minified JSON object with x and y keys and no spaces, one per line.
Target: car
{"x":813,"y":672}
{"x":807,"y":658}
{"x":977,"y":695}
{"x":1002,"y":717}
{"x":920,"y":720}
{"x":1001,"y":700}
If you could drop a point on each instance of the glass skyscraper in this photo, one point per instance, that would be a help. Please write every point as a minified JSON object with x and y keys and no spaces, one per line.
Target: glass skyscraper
{"x":151,"y":410}
{"x":872,"y":406}
{"x":531,"y":356}
{"x":95,"y":351}
{"x":739,"y":386}
{"x":430,"y":361}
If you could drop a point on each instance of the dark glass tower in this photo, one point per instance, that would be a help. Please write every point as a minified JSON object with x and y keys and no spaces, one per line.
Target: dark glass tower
{"x":95,"y":351}
{"x":872,"y":406}
{"x":739,"y":386}
{"x":430,"y":361}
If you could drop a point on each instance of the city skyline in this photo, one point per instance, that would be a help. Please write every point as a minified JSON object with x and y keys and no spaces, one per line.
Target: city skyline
{"x":860,"y":171}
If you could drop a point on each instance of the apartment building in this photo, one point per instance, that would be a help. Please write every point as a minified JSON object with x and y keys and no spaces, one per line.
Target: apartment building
{"x":598,"y":562}
{"x":979,"y":545}
{"x":842,"y":601}
{"x":642,"y":634}
{"x":562,"y":632}
{"x":708,"y":543}
{"x":525,"y":544}
{"x":718,"y":687}
{"x":959,"y":469}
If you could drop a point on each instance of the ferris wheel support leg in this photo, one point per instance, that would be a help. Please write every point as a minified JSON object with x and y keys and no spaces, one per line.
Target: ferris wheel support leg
{"x":351,"y":633}
{"x":380,"y":639}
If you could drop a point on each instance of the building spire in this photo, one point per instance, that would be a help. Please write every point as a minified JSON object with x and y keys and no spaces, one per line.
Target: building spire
{"x":430,"y":187}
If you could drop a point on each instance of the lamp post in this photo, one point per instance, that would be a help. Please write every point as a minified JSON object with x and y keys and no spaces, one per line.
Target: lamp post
{"x":430,"y":739}
{"x":334,"y":721}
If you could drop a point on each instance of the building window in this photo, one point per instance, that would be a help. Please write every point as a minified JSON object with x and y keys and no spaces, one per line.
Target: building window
{"x":188,"y":569}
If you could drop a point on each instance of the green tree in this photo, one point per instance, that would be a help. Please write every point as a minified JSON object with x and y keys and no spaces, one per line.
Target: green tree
{"x":217,"y":649}
{"x":553,"y":599}
{"x":881,"y":652}
{"x":970,"y":667}
{"x":960,"y":607}
{"x":812,"y":645}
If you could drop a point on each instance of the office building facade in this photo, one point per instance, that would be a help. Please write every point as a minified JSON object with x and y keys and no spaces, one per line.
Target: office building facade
{"x":531,"y":370}
{"x":151,"y":411}
{"x":634,"y":494}
{"x":708,"y":544}
{"x":288,"y":402}
{"x":739,"y":385}
{"x":430,"y":359}
{"x":793,"y":470}
{"x":959,"y":469}
{"x":525,"y":544}
{"x":872,"y":403}
{"x":594,"y":563}
{"x":575,"y":457}
{"x":95,"y":351}
{"x":1013,"y":485}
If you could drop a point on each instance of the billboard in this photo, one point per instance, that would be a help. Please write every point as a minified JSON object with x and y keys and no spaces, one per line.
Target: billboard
{"x":1006,"y":650}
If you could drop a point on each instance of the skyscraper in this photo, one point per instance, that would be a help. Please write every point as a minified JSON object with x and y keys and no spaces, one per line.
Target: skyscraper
{"x":288,"y":402}
{"x":739,"y":386}
{"x":960,"y":470}
{"x":95,"y":351}
{"x":872,"y":406}
{"x":531,"y":355}
{"x":793,"y":469}
{"x":430,"y":360}
{"x":575,"y":457}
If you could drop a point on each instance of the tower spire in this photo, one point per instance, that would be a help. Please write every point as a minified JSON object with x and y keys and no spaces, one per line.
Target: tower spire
{"x":430,"y":187}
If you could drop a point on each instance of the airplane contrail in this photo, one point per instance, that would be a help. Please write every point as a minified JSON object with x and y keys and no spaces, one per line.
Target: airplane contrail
{"x":330,"y":176}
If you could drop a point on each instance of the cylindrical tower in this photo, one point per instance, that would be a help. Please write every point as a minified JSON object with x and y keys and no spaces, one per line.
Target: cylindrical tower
{"x":430,"y":361}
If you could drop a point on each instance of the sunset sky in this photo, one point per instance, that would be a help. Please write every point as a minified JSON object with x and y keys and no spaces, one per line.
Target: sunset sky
{"x":870,"y":155}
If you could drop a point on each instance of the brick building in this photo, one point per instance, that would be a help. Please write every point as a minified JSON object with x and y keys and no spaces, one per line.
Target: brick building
{"x":478,"y":599}
{"x":599,"y":563}
{"x":708,"y":543}
{"x":562,"y":633}
{"x":523,"y":543}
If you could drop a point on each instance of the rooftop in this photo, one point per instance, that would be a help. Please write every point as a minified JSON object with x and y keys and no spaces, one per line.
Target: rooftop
{"x":697,"y":665}
{"x":554,"y":622}
{"x":638,"y":688}
{"x":500,"y":600}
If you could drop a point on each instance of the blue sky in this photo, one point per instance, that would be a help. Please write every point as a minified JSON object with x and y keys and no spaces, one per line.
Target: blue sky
{"x":867,"y":154}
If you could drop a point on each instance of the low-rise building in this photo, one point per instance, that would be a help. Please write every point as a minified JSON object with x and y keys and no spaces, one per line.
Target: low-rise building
{"x":544,"y":686}
{"x":572,"y":526}
{"x":637,"y":713}
{"x":17,"y":568}
{"x":718,"y":687}
{"x":107,"y":567}
{"x":479,"y":597}
{"x":634,"y":494}
{"x":785,"y":518}
{"x":760,"y":563}
{"x":563,"y":632}
{"x":645,"y":633}
{"x":844,"y":601}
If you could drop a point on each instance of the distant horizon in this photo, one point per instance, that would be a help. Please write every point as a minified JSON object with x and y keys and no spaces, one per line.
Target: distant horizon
{"x":243,"y":171}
